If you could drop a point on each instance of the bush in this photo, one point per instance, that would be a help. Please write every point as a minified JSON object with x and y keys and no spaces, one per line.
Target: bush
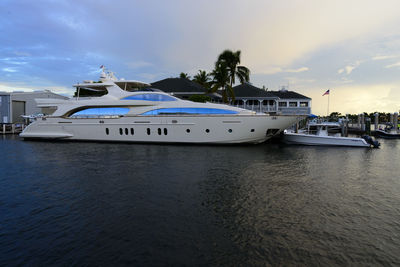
{"x":200,"y":98}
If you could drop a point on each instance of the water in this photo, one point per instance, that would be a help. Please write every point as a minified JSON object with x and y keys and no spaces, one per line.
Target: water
{"x":77,"y":203}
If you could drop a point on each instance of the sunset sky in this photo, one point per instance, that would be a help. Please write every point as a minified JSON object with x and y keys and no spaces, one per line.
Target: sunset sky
{"x":351,"y":47}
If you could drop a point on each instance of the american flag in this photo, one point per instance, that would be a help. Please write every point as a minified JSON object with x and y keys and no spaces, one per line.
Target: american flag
{"x":102,"y":66}
{"x":326,"y":93}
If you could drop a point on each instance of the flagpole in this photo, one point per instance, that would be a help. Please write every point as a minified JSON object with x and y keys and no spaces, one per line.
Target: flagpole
{"x":327,"y":114}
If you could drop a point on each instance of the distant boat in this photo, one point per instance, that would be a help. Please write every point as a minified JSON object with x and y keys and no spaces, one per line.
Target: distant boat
{"x":389,"y":132}
{"x":317,"y":134}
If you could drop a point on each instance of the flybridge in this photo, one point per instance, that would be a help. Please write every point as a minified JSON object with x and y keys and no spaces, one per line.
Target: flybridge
{"x":107,"y":79}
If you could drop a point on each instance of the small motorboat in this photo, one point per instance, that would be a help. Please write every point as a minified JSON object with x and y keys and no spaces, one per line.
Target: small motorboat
{"x":389,"y":131}
{"x":319,"y":134}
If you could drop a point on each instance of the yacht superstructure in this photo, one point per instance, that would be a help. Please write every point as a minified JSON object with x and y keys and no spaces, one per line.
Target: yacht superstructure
{"x":130,"y":114}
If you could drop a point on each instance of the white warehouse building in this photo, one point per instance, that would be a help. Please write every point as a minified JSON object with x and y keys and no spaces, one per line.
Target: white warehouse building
{"x":15,"y":104}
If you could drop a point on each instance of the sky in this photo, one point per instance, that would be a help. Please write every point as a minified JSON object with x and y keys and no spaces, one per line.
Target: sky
{"x":350,"y":47}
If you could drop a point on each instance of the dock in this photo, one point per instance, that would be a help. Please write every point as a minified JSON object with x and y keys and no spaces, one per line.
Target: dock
{"x":11,"y":128}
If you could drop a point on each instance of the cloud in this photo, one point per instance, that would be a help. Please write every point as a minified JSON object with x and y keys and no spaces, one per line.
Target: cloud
{"x":66,"y":41}
{"x":278,"y":33}
{"x":349,"y":68}
{"x":297,"y":70}
{"x":275,"y":70}
{"x":397,"y":64}
{"x":384,"y":57}
{"x":9,"y":69}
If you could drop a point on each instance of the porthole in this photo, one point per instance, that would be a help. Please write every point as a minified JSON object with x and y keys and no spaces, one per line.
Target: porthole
{"x":120,"y":131}
{"x":207,"y":130}
{"x":165,"y":131}
{"x":148,"y":131}
{"x":252,"y":130}
{"x":132,"y":131}
{"x":126,"y":131}
{"x":107,"y":131}
{"x":230,"y":130}
{"x":188,"y":130}
{"x":159,"y":131}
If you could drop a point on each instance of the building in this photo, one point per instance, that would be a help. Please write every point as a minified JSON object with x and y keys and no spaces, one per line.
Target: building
{"x":290,"y":102}
{"x":246,"y":96}
{"x":251,"y":97}
{"x":15,"y":104}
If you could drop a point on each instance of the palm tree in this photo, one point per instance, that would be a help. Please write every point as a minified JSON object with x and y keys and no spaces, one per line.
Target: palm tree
{"x":202,"y":78}
{"x":221,"y":81}
{"x":232,"y":61}
{"x":184,"y":76}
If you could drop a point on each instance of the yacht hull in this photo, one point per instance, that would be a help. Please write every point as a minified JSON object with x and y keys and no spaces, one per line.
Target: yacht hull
{"x":162,"y":129}
{"x":314,"y":140}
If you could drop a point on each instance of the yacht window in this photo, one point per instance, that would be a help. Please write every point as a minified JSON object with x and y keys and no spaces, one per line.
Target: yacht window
{"x":107,"y":131}
{"x":132,"y":131}
{"x":150,"y":97}
{"x":207,"y":130}
{"x":120,"y":131}
{"x":168,"y":111}
{"x":96,"y":112}
{"x":165,"y":131}
{"x":230,"y":130}
{"x":126,"y":131}
{"x":148,"y":131}
{"x":159,"y":131}
{"x":188,"y":130}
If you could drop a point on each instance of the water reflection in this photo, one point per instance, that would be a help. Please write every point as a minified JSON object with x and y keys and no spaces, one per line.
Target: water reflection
{"x":105,"y":203}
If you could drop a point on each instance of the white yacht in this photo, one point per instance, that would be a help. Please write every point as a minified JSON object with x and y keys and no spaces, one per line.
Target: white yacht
{"x":130,"y":114}
{"x":318,"y":134}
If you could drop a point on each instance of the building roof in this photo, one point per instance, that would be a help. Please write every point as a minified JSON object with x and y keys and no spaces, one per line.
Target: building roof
{"x":249,"y":90}
{"x":178,"y":85}
{"x":245,"y":90}
{"x":283,"y":94}
{"x":46,"y":93}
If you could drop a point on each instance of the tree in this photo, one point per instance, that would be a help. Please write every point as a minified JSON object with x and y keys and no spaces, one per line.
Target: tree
{"x":221,"y":80}
{"x":232,"y":60}
{"x":200,"y":98}
{"x":226,"y":69}
{"x":202,"y":78}
{"x":184,"y":76}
